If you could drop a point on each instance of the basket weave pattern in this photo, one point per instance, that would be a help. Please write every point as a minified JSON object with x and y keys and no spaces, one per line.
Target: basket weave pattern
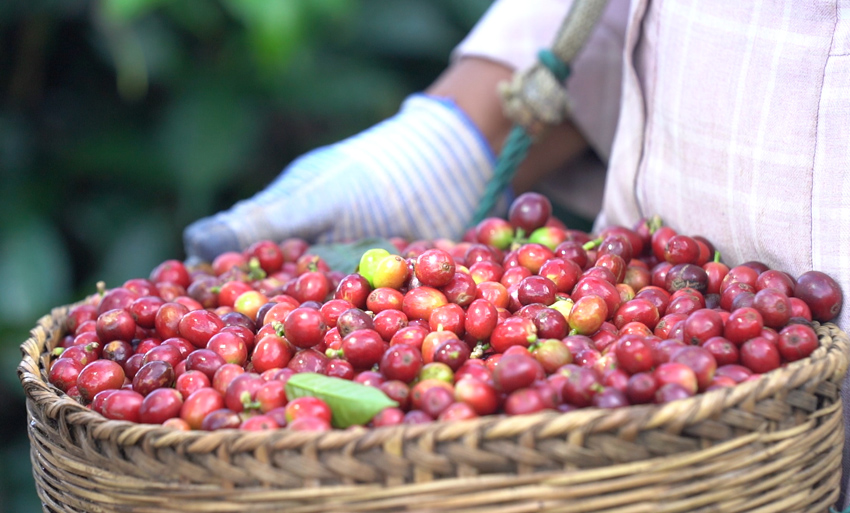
{"x":772,"y":444}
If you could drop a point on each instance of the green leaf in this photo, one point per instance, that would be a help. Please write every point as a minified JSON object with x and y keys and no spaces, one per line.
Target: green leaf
{"x":140,"y":242}
{"x":205,"y":138}
{"x":345,"y":257}
{"x":406,"y":28}
{"x":351,"y":403}
{"x":201,"y":18}
{"x":34,"y":270}
{"x":128,"y":10}
{"x":274,"y":29}
{"x":466,"y":13}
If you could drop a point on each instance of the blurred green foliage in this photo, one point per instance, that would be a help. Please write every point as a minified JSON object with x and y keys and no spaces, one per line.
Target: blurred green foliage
{"x":121,"y":121}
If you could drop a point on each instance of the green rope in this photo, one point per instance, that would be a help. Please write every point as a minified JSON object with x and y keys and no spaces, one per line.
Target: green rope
{"x":516,"y":146}
{"x":513,"y":153}
{"x":559,"y":68}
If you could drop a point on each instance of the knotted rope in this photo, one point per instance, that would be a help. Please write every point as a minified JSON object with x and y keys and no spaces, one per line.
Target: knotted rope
{"x":536,"y":98}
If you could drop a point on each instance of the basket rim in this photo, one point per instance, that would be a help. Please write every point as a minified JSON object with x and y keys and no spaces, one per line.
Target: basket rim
{"x":828,"y":363}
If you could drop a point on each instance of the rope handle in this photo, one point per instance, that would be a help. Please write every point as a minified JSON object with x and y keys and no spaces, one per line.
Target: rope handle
{"x":536,"y":98}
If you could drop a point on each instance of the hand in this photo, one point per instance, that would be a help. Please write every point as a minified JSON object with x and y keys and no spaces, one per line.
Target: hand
{"x":419,"y":174}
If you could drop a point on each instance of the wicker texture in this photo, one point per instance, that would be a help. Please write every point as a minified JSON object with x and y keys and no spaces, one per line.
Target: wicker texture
{"x":772,"y":444}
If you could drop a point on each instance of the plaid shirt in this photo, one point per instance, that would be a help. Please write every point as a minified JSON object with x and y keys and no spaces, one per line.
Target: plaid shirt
{"x":733,"y":122}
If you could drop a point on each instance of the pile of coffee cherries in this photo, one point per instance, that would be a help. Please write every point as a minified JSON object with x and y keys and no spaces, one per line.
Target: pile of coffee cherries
{"x":522,"y":315}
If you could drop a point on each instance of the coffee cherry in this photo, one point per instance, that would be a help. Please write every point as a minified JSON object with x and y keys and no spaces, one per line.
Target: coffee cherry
{"x":64,"y":372}
{"x":797,"y":341}
{"x":434,"y":268}
{"x":760,"y":355}
{"x":529,"y":211}
{"x":518,"y":317}
{"x":305,"y":327}
{"x":821,"y":293}
{"x":97,"y":376}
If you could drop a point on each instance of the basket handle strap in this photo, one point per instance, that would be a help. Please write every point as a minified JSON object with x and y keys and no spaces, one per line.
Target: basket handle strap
{"x":536,"y":98}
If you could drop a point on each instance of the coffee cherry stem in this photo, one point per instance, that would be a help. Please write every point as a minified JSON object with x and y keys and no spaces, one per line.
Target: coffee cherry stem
{"x":479,"y":350}
{"x":334,"y":353}
{"x":592,"y":244}
{"x":716,"y":257}
{"x":247,"y":403}
{"x":58,"y":351}
{"x":313,"y":266}
{"x":255,"y":272}
{"x":654,"y":223}
{"x":519,"y":234}
{"x":278,"y":328}
{"x":519,"y":239}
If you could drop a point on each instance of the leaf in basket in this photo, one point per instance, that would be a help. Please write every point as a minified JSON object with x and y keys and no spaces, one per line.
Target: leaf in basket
{"x":345,"y":257}
{"x":351,"y":403}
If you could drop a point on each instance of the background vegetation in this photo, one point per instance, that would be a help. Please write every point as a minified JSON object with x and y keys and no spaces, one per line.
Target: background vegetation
{"x":121,"y":121}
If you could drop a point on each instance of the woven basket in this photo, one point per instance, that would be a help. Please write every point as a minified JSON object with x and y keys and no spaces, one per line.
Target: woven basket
{"x":772,"y":444}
